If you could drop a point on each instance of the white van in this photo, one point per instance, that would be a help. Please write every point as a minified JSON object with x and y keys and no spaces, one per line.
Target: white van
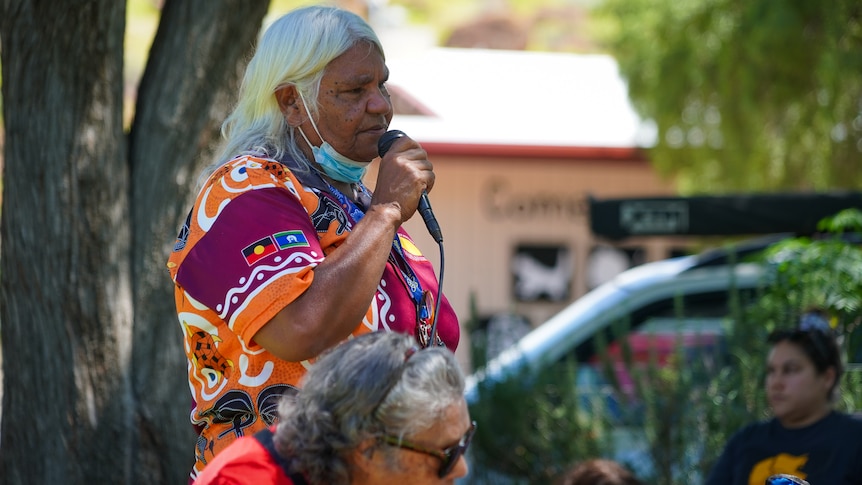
{"x":645,"y":296}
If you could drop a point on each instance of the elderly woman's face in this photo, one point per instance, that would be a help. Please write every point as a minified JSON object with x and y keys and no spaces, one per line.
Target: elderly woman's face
{"x":417,"y":468}
{"x":354,"y":107}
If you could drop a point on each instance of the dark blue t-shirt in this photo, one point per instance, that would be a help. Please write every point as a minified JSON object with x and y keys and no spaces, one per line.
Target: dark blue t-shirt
{"x":828,"y":452}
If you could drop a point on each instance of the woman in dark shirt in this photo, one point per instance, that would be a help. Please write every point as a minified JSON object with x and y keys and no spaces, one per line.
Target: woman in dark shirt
{"x":806,"y":438}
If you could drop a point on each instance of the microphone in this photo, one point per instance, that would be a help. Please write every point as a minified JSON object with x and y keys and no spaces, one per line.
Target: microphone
{"x":383,"y":146}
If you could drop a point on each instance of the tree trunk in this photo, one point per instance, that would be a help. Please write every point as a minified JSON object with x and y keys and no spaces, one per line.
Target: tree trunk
{"x":94,"y":384}
{"x":195,"y":64}
{"x":65,"y":292}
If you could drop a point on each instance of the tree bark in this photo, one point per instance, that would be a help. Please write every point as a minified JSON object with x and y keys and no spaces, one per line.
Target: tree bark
{"x":188,"y":88}
{"x":94,"y":386}
{"x":65,"y":292}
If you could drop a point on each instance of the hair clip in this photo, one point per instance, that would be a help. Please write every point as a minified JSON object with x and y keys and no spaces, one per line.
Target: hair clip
{"x":409,"y":352}
{"x":814,"y":320}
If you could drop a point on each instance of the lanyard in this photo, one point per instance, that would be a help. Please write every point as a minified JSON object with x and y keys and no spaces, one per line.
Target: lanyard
{"x":396,"y":256}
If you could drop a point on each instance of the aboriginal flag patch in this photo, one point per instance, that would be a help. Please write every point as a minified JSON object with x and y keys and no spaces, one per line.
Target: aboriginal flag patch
{"x":258,"y":250}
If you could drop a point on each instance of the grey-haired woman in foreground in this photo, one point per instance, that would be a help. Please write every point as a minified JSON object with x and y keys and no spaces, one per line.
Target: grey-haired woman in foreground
{"x":373,"y":410}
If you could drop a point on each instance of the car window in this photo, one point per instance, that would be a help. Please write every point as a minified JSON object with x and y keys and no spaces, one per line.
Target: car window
{"x":702,"y":312}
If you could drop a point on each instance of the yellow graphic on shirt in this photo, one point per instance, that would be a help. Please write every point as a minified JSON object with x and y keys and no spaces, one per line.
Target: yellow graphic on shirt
{"x":408,"y":246}
{"x":780,"y":463}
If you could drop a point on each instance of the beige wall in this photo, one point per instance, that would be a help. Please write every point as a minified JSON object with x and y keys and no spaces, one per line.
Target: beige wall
{"x":487,"y":206}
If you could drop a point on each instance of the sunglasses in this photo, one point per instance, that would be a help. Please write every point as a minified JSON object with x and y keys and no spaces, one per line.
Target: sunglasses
{"x":448,"y":457}
{"x":785,"y":480}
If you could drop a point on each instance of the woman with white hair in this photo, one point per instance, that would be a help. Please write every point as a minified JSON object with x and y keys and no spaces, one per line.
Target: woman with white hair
{"x":373,"y":410}
{"x":286,"y":252}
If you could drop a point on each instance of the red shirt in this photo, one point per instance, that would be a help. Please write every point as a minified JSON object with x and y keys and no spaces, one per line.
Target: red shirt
{"x":245,"y":461}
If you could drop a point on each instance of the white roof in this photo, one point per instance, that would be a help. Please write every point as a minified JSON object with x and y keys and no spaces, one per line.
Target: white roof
{"x":483,"y":96}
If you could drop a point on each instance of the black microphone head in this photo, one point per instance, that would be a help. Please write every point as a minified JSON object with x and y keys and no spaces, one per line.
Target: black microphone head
{"x":385,"y":142}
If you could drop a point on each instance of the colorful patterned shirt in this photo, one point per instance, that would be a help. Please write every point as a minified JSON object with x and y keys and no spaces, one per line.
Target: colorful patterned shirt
{"x":247,"y":250}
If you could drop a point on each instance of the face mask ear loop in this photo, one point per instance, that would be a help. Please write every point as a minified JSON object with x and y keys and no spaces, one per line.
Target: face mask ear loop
{"x":305,"y":138}
{"x":311,"y":119}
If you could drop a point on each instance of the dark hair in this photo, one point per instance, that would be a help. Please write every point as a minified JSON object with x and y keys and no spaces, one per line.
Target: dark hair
{"x":817,"y":342}
{"x":599,"y":472}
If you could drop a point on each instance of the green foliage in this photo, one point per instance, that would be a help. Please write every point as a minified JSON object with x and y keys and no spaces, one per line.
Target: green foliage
{"x":741,"y":88}
{"x":824,"y":273}
{"x":532,"y":426}
{"x":848,"y":220}
{"x":733,"y":396}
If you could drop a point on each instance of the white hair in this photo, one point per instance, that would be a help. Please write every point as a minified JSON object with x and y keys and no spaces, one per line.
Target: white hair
{"x":295,"y":49}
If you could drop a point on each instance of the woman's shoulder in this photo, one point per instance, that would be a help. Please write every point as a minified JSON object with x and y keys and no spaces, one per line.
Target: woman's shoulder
{"x":752,"y":430}
{"x":254,"y":166}
{"x":847,"y":421}
{"x":245,"y":461}
{"x":756,"y":426}
{"x":246,"y":173}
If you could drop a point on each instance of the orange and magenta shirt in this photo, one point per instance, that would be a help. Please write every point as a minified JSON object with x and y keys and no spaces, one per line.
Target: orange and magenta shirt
{"x":249,"y":248}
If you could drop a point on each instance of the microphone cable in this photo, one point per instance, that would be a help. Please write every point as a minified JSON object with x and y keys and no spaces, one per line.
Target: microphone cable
{"x":424,"y":210}
{"x":439,"y":295}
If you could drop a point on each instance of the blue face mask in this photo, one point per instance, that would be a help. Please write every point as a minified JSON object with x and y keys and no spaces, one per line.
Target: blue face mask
{"x":335,"y":165}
